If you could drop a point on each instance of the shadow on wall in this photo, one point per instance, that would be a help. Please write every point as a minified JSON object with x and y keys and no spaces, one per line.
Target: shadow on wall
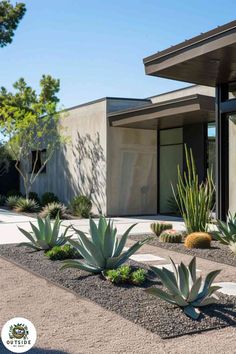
{"x":87,"y":175}
{"x":36,"y":350}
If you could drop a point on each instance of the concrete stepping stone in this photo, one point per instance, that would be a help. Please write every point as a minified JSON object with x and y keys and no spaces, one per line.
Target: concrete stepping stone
{"x":144,"y":257}
{"x":169,"y":267}
{"x":227,"y":288}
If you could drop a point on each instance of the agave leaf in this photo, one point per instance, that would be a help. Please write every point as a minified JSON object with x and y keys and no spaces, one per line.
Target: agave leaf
{"x":55,"y":230}
{"x":80,"y":265}
{"x":195,"y":290}
{"x":208,"y":301}
{"x":171,"y":275}
{"x":26,"y":244}
{"x":213,"y":289}
{"x":167,"y":281}
{"x":43,"y":244}
{"x":35,"y":231}
{"x":40,"y":225}
{"x":183,"y":280}
{"x":109,"y":242}
{"x":174,"y":268}
{"x":192,"y":312}
{"x":94,"y":232}
{"x":48,"y":230}
{"x":123,"y":241}
{"x":27,"y":234}
{"x":161,"y":294}
{"x":208,"y":281}
{"x":192,"y":269}
{"x":126,"y":255}
{"x":84,"y":253}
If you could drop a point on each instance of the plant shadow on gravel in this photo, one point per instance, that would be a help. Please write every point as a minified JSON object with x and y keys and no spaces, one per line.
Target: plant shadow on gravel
{"x":221,"y":311}
{"x":35,"y":350}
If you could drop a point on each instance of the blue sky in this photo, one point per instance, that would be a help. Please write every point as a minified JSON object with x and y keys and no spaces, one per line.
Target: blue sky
{"x":96,"y":47}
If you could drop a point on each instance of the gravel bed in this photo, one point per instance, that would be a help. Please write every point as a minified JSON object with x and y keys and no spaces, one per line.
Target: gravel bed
{"x":217,"y":253}
{"x":128,"y":301}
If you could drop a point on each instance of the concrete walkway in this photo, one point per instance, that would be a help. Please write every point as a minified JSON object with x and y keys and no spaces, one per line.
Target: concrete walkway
{"x":9,"y":221}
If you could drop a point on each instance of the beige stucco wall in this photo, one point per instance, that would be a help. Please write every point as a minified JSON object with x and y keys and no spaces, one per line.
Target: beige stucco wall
{"x":131,"y":171}
{"x":232,"y":167}
{"x":80,"y":166}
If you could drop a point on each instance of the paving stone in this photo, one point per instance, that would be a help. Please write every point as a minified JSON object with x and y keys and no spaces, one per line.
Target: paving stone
{"x":144,"y":257}
{"x":228,"y":288}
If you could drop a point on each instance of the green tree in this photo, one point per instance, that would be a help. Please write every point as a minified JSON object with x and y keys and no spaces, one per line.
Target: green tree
{"x":10,"y":17}
{"x":31,"y":125}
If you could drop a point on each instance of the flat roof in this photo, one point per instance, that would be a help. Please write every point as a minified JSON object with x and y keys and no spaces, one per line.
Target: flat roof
{"x":169,"y":114}
{"x":207,"y":59}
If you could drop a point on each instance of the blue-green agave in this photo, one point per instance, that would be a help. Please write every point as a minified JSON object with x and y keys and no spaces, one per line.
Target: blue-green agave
{"x":45,"y":236}
{"x":184,"y":288}
{"x":103,"y":250}
{"x":226,"y":233}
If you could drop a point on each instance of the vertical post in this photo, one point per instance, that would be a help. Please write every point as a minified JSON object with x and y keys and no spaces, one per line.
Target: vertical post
{"x":222,"y":155}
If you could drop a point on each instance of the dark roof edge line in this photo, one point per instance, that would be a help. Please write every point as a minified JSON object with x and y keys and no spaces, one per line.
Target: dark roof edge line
{"x":159,"y":104}
{"x":104,"y":99}
{"x":168,"y":92}
{"x":192,"y":41}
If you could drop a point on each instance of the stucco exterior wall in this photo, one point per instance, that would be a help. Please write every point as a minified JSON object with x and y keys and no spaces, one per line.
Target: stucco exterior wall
{"x":232,"y":167}
{"x":80,"y":166}
{"x":131,"y":171}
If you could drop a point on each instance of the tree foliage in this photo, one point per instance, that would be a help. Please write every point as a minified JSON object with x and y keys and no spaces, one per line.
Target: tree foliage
{"x":10,"y":17}
{"x":30,"y":122}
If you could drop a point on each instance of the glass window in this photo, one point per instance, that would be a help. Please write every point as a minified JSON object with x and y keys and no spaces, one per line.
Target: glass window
{"x":232,"y":90}
{"x":171,"y":136}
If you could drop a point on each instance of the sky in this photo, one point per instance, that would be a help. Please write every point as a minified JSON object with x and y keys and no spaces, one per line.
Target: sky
{"x":96,"y":47}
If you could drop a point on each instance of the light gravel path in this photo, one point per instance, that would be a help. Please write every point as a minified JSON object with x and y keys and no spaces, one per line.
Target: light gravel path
{"x":68,"y":324}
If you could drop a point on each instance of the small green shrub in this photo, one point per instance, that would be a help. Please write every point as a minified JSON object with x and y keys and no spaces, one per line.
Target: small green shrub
{"x":62,"y":252}
{"x":171,"y":236}
{"x":34,"y":196}
{"x":138,"y":277}
{"x":2,"y":200}
{"x":158,"y":227}
{"x":48,"y":198}
{"x":14,"y":193}
{"x":26,"y":205}
{"x":12,"y":201}
{"x":54,"y":209}
{"x":81,"y":206}
{"x":125,"y":275}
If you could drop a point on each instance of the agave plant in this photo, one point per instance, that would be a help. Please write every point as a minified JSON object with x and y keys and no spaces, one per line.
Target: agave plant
{"x":226,"y":233}
{"x":45,"y":237}
{"x":54,"y":209}
{"x":104,"y":250}
{"x":26,"y":205}
{"x":185,"y":289}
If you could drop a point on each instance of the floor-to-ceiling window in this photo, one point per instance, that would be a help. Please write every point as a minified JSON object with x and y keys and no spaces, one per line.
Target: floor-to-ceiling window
{"x":170,"y":156}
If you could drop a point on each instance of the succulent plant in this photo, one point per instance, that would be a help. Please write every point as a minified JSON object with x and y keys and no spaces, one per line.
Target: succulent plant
{"x":26,"y":205}
{"x":53,"y":209}
{"x":171,"y":236}
{"x":104,"y":250}
{"x":81,"y":206}
{"x":184,"y":288}
{"x":62,"y":252}
{"x":12,"y":201}
{"x":125,"y":275}
{"x":158,"y":227}
{"x":45,"y":237}
{"x":49,"y":197}
{"x":198,"y":240}
{"x":226,"y":233}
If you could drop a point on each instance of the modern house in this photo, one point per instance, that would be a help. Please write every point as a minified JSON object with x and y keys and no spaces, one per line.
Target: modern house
{"x":124,"y":152}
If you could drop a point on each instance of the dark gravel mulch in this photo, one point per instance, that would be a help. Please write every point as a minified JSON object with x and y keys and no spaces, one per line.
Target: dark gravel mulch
{"x":128,"y":301}
{"x":217,"y":253}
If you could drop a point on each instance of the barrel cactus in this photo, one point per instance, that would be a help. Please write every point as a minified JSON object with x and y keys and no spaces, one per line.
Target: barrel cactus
{"x":198,"y":240}
{"x":171,"y":236}
{"x":159,"y":227}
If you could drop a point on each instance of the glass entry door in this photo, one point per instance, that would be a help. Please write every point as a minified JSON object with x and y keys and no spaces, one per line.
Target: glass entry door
{"x":170,"y":157}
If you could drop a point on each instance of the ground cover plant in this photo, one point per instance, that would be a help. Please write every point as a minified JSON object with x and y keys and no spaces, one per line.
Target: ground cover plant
{"x":62,"y":252}
{"x":185,"y":289}
{"x":104,"y":250}
{"x":45,"y":236}
{"x":193,"y":198}
{"x":226,"y":233}
{"x":126,"y":275}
